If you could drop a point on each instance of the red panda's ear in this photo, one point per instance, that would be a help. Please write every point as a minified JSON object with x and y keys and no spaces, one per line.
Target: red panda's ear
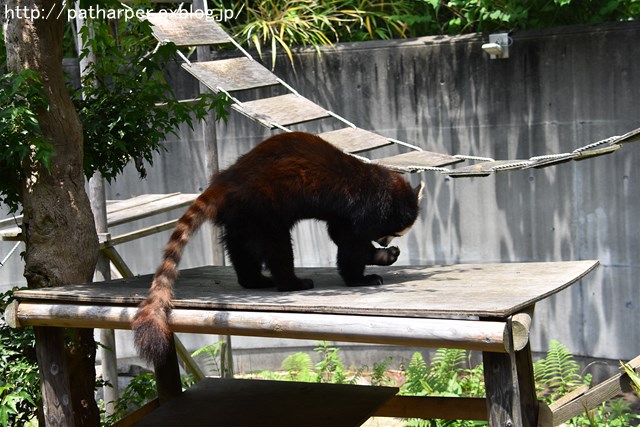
{"x":418,"y":190}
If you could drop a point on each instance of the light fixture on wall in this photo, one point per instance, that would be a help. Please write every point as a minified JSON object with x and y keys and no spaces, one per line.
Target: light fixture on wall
{"x":498,"y":46}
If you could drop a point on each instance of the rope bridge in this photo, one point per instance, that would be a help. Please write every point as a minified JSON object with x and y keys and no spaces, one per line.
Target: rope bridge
{"x":242,"y":73}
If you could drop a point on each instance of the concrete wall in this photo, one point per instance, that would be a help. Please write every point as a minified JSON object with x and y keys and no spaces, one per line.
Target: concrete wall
{"x":560,"y":89}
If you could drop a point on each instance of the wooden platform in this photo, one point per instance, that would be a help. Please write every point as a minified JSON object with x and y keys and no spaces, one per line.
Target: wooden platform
{"x":485,"y":307}
{"x":118,"y":211}
{"x":250,"y":403}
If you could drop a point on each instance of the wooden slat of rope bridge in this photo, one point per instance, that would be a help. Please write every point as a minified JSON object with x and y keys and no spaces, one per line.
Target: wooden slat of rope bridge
{"x":283,"y":110}
{"x":279,"y":112}
{"x":185,"y":29}
{"x":354,"y":140}
{"x":231,"y":74}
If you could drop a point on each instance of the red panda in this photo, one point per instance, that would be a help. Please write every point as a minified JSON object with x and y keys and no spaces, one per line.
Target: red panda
{"x":256,"y":202}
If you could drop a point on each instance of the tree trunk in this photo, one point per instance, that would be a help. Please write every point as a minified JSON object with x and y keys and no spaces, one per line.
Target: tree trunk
{"x":58,"y":227}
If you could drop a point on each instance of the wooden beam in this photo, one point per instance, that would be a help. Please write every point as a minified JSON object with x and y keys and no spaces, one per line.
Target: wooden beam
{"x":594,"y":397}
{"x":137,"y":415}
{"x":142,"y":232}
{"x":190,"y":364}
{"x":484,"y":336}
{"x":117,"y":261}
{"x":448,"y":408}
{"x":520,"y":327}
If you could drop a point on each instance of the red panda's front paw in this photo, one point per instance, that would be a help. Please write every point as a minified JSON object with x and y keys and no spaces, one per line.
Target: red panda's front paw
{"x":385,"y":256}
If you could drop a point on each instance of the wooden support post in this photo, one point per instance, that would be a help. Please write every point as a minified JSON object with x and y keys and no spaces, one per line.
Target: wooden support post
{"x":209,"y":136}
{"x":510,"y":387}
{"x":529,"y":405}
{"x":108,"y":354}
{"x":502,"y":390}
{"x":54,"y":381}
{"x":168,"y":376}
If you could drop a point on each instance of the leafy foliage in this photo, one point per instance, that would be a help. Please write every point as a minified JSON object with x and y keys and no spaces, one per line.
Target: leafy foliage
{"x":299,"y":367}
{"x":139,"y":391}
{"x":634,"y":377}
{"x":614,"y":413}
{"x":121,"y":91}
{"x":21,"y":98}
{"x":19,"y":380}
{"x":287,"y":23}
{"x":558,"y":373}
{"x":283,"y":24}
{"x":445,"y":376}
{"x":210,"y":355}
{"x":118,"y":106}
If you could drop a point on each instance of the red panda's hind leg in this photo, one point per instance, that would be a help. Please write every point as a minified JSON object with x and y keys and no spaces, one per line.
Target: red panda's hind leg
{"x":279,"y":260}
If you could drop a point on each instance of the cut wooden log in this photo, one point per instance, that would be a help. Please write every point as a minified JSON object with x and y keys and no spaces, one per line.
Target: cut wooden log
{"x":466,"y":334}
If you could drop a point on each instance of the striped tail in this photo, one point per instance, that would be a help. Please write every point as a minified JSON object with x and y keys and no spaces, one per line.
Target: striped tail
{"x":150,"y":324}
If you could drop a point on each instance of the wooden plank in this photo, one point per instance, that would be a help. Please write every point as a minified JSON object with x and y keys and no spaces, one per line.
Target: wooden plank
{"x":123,"y":211}
{"x":11,"y":234}
{"x":462,"y":291}
{"x":229,"y":402}
{"x":451,"y":333}
{"x":596,"y":151}
{"x":540,"y":162}
{"x":137,"y":415}
{"x":114,"y":206}
{"x":137,"y":234}
{"x":416,"y":160}
{"x":120,"y":214}
{"x":594,"y":397}
{"x":487,"y":168}
{"x":186,"y":29}
{"x":231,"y":74}
{"x":14,"y":221}
{"x":354,"y":140}
{"x":283,"y":110}
{"x":431,"y":407}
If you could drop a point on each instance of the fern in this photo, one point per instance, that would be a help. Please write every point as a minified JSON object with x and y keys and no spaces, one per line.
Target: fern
{"x":210,"y":355}
{"x":417,"y":372}
{"x":558,"y":373}
{"x":299,"y":367}
{"x":379,"y":375}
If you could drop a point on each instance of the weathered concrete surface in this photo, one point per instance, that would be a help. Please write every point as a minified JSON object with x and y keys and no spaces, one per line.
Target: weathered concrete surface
{"x":560,"y":89}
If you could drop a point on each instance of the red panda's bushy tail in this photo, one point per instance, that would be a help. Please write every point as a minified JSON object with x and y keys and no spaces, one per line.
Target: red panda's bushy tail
{"x":150,"y":324}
